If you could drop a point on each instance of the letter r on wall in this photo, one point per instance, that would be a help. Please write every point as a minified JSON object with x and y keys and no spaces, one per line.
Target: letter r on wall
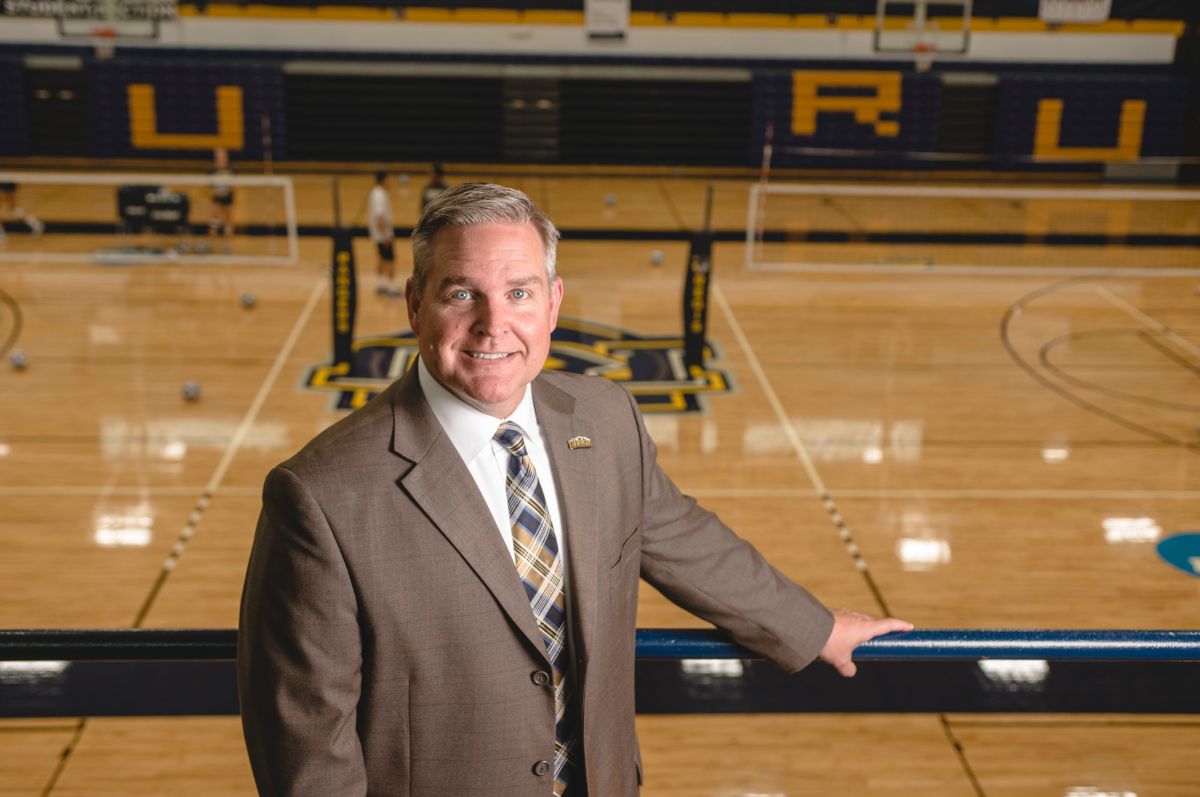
{"x":143,"y":122}
{"x":807,"y":101}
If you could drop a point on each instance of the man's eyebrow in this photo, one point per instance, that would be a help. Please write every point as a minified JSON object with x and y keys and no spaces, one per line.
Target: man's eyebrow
{"x":467,"y":282}
{"x":455,"y":279}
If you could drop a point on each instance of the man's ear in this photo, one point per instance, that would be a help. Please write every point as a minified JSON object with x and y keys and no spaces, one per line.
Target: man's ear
{"x":412,"y":298}
{"x":556,"y":297}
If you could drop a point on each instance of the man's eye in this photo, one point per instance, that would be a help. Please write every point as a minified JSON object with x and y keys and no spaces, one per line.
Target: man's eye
{"x":460,"y":296}
{"x":520,"y":293}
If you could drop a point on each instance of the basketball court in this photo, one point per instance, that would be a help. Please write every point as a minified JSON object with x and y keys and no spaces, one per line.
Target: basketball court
{"x":964,"y":448}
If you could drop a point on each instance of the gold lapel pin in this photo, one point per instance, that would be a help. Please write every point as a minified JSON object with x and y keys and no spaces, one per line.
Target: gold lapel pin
{"x":579,"y":442}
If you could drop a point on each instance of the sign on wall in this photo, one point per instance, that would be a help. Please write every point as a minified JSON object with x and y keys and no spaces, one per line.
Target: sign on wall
{"x":1078,"y":11}
{"x":127,"y":18}
{"x":606,"y":19}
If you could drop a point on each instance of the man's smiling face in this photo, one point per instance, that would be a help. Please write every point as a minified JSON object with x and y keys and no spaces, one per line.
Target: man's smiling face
{"x":484,"y":318}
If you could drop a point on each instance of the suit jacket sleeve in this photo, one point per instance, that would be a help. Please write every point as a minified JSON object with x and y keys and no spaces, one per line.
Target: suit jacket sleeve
{"x":299,"y":651}
{"x":696,"y":561}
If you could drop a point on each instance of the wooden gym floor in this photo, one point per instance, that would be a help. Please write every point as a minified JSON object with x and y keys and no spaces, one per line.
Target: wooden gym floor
{"x":1005,"y":449}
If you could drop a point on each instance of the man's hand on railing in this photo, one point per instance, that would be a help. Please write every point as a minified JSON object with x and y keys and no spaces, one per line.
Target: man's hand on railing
{"x":851,"y":629}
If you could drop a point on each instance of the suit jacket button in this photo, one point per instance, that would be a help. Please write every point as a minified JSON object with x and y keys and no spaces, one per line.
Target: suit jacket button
{"x":541,"y":768}
{"x":541,"y":678}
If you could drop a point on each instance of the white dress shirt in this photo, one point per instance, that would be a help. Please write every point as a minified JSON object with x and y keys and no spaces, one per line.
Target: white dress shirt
{"x":472,"y":432}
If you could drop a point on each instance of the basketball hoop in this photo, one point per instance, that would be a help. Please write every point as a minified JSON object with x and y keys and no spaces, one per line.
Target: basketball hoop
{"x":923,"y":55}
{"x":104,"y":42}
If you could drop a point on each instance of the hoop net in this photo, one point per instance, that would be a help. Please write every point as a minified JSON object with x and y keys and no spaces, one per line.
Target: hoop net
{"x":923,"y":55}
{"x":104,"y":42}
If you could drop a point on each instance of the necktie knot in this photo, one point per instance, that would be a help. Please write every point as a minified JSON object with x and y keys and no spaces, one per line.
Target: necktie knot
{"x":511,"y":437}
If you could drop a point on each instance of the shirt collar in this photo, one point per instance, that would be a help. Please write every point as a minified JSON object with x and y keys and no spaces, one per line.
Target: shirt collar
{"x":469,"y":429}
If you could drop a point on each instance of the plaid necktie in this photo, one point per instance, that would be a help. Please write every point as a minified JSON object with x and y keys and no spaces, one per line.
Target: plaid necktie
{"x":535,"y":550}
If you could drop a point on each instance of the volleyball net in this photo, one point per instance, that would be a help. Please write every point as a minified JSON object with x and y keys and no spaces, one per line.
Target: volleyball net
{"x":1017,"y":229}
{"x":130,"y":218}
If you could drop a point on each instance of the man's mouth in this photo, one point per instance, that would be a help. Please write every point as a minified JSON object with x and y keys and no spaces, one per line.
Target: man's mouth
{"x":479,"y":355}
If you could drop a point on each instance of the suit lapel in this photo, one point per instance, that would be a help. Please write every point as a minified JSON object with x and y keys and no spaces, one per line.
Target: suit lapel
{"x":574,"y":473}
{"x":440,"y":484}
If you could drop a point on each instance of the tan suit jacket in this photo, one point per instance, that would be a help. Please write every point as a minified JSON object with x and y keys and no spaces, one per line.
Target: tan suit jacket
{"x":386,"y":644}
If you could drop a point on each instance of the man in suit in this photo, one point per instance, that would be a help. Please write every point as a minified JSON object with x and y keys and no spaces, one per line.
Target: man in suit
{"x":442,"y":592}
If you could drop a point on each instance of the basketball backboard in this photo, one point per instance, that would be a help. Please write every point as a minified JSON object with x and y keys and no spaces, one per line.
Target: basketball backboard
{"x":115,"y":19}
{"x":908,"y":27}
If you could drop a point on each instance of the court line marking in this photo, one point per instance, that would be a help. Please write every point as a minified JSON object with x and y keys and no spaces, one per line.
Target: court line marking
{"x":793,"y":437}
{"x":68,"y":751}
{"x":15,"y":725}
{"x":956,"y":269}
{"x":260,"y":398}
{"x":976,"y":192}
{"x":56,"y":258}
{"x":1148,"y":320}
{"x":1016,"y":493}
{"x":695,"y":492}
{"x":852,"y":548}
{"x":1006,"y":332}
{"x":148,"y":491}
{"x":1082,"y":721}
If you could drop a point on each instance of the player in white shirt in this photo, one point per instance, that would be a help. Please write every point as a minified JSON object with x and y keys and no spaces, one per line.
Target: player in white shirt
{"x":221,"y":192}
{"x":383,"y":235}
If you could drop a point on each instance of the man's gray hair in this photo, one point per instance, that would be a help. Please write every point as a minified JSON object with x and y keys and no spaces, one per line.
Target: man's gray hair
{"x":478,"y":203}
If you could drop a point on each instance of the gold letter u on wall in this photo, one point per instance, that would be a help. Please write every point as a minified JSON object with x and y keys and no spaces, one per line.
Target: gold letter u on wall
{"x":143,"y":122}
{"x":1048,"y":130}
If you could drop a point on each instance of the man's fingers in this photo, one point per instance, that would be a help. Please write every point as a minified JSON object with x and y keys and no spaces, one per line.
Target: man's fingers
{"x":890,"y":625}
{"x":869,"y":628}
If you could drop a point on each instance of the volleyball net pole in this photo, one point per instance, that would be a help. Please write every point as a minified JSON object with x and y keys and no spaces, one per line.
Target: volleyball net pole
{"x":268,"y":163}
{"x":344,"y":286}
{"x":695,"y":293}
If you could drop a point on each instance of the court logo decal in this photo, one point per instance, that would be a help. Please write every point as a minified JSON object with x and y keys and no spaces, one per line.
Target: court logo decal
{"x":652,"y":368}
{"x":1182,"y":551}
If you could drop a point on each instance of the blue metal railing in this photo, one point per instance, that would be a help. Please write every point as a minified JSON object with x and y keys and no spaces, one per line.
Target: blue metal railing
{"x":189,"y":672}
{"x":948,"y":644}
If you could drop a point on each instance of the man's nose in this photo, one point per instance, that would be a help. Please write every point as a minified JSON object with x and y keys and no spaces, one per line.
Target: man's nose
{"x":491,"y":317}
